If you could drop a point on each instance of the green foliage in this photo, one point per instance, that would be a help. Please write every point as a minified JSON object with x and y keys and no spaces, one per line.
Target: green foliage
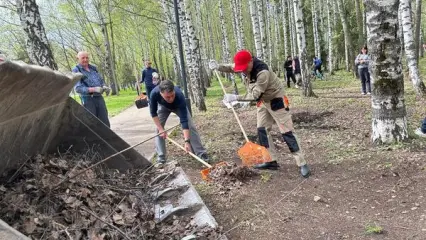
{"x":373,"y":228}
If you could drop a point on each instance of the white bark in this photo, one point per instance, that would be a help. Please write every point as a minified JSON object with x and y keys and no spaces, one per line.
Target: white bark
{"x":236,"y":10}
{"x":389,"y":122}
{"x":291,"y":20}
{"x":226,"y":55}
{"x":240,"y":25}
{"x":346,"y":32}
{"x":410,"y":47}
{"x":38,"y":46}
{"x":417,"y":30}
{"x":193,"y":59}
{"x":262,"y":27}
{"x":301,"y":40}
{"x":256,"y":29}
{"x":315,"y":29}
{"x":269,"y":33}
{"x":284,"y":19}
{"x":330,"y":37}
{"x":277,"y":35}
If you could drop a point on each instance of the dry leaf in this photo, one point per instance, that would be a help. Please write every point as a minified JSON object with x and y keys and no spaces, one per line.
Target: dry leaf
{"x":29,"y":226}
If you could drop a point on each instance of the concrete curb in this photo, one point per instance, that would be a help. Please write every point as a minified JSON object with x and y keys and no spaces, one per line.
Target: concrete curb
{"x":9,"y":233}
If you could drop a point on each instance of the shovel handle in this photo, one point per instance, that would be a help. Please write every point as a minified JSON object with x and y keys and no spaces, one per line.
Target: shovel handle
{"x":190,"y":153}
{"x":233,"y":110}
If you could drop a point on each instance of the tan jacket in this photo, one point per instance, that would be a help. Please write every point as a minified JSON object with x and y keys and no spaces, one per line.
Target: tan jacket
{"x":266,"y":87}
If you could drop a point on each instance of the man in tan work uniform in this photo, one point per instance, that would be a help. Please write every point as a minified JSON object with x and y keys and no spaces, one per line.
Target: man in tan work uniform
{"x":264,"y":87}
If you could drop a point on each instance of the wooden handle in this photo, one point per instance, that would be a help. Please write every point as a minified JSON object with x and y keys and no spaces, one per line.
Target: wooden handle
{"x":190,"y":153}
{"x":233,"y":110}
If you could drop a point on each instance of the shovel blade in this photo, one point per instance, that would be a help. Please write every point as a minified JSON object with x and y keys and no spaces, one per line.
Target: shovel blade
{"x":252,"y":154}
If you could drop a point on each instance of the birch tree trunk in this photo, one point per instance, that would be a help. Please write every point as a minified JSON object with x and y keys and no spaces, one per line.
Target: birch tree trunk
{"x":418,"y":24}
{"x":226,"y":55}
{"x":346,"y":32}
{"x":204,"y":78}
{"x":291,"y":20}
{"x":171,"y":39}
{"x":256,"y":29}
{"x":315,"y":29}
{"x":211,"y":39}
{"x":193,"y":59}
{"x":262,"y":28}
{"x":237,"y":23}
{"x":277,"y":42}
{"x":269,"y":33}
{"x":240,"y":25}
{"x":330,"y":37}
{"x":284,"y":19}
{"x":400,"y":29}
{"x":301,"y":40}
{"x":359,"y":23}
{"x":38,"y":46}
{"x":410,"y":47}
{"x":389,"y":120}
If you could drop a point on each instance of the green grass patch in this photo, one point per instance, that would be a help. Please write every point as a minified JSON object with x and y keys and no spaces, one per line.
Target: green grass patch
{"x":117,"y":103}
{"x":373,"y":229}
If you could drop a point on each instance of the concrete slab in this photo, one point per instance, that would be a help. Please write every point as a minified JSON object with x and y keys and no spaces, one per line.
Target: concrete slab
{"x":9,"y":233}
{"x":135,"y":125}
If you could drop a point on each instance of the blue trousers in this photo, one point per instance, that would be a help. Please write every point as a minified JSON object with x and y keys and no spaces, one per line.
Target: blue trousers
{"x":96,"y":106}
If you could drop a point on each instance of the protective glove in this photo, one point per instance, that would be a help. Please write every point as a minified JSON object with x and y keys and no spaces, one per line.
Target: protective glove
{"x":96,"y":90}
{"x":106,"y":89}
{"x":230,"y":98}
{"x":213,"y":65}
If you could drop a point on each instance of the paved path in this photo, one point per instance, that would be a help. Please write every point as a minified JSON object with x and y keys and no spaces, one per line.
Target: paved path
{"x":135,"y":125}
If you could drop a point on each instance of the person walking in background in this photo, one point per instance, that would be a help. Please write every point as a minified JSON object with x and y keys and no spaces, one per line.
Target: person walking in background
{"x":362,"y":61}
{"x":297,"y":71}
{"x":317,"y":66}
{"x":147,"y":77}
{"x":288,"y":66}
{"x":421,"y":131}
{"x":90,"y":87}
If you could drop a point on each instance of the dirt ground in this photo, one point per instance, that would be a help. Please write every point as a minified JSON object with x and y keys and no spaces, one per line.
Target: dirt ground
{"x":356,"y":191}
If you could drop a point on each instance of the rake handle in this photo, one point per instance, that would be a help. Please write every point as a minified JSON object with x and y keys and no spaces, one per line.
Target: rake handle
{"x":233,"y":110}
{"x":190,"y":153}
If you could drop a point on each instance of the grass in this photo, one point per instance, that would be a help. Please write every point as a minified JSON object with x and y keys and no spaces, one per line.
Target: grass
{"x":373,"y":229}
{"x":116,"y":104}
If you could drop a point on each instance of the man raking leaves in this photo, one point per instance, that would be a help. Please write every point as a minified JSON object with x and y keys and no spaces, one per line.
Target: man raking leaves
{"x":264,"y":87}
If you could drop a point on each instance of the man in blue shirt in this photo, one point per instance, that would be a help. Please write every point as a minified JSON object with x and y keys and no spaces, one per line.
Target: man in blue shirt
{"x":90,"y":87}
{"x":147,"y":77}
{"x":165,"y":99}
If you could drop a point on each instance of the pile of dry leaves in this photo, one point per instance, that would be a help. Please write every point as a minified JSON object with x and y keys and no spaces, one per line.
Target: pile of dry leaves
{"x":231,"y":174}
{"x":98,"y":204}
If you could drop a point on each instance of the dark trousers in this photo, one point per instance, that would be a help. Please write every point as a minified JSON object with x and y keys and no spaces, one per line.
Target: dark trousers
{"x":148,"y":90}
{"x":365,"y":79}
{"x":96,"y":106}
{"x":318,"y":68}
{"x":424,"y":126}
{"x":293,"y":78}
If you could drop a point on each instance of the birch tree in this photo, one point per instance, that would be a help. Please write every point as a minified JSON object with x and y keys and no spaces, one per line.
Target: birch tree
{"x":359,"y":22}
{"x":38,"y":46}
{"x":291,"y":20}
{"x":346,"y":32}
{"x":256,"y":29}
{"x":389,"y":120}
{"x":410,"y":47}
{"x":262,"y":28}
{"x":269,"y":33}
{"x":315,"y":29}
{"x":226,"y":55}
{"x":417,"y":44}
{"x":192,"y":58}
{"x":301,"y":40}
{"x":241,"y":37}
{"x":330,"y":37}
{"x":284,"y":19}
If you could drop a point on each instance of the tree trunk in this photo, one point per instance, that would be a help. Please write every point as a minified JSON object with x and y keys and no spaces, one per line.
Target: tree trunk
{"x":256,"y":29}
{"x":292,"y":22}
{"x":284,"y":18}
{"x":347,"y":33}
{"x":330,"y":37}
{"x":226,"y":55}
{"x":410,"y":47}
{"x":359,"y":23}
{"x":317,"y":45}
{"x":171,"y":39}
{"x":269,"y":33}
{"x":262,"y":28}
{"x":240,"y":25}
{"x":389,"y":120}
{"x":193,"y":60}
{"x":277,"y":34}
{"x":421,"y":49}
{"x":108,"y":59}
{"x":301,"y":40}
{"x":38,"y":47}
{"x":418,"y":25}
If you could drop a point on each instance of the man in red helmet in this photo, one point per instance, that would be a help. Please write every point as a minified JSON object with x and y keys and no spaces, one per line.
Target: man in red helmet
{"x":264,"y":87}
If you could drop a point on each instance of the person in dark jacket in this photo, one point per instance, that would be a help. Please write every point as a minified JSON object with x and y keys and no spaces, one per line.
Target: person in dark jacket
{"x":147,"y":77}
{"x":288,"y":65}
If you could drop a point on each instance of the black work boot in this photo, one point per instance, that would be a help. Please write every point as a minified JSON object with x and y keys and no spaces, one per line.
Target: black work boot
{"x":268,"y":165}
{"x":304,"y":170}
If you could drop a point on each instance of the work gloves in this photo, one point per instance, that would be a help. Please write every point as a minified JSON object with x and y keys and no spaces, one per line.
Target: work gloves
{"x":213,"y":65}
{"x":228,"y":98}
{"x":99,"y":89}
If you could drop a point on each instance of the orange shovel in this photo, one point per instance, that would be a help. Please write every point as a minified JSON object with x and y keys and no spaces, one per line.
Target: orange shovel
{"x":251,"y":153}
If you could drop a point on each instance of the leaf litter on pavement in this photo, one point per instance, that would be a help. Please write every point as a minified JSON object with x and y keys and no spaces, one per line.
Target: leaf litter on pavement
{"x":98,"y":204}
